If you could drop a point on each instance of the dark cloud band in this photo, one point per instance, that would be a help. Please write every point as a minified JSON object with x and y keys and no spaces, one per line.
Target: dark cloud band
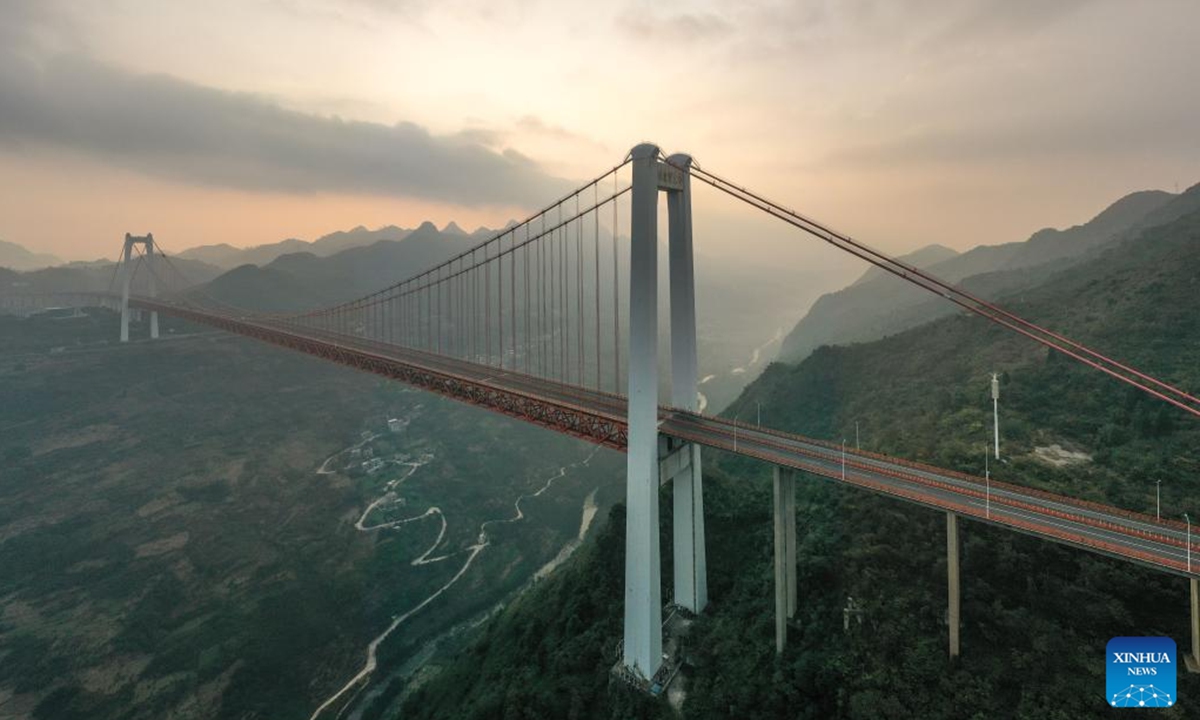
{"x":183,"y":131}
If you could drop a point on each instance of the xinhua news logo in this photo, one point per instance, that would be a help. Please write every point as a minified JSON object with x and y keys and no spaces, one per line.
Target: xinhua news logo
{"x":1141,"y":672}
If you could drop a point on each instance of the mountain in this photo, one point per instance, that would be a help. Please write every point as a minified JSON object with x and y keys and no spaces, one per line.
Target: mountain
{"x":97,"y":276}
{"x":300,"y":281}
{"x":922,"y":258}
{"x":15,"y":257}
{"x":879,"y":303}
{"x":452,"y":228}
{"x":1036,"y":614}
{"x":226,"y":256}
{"x":338,"y":241}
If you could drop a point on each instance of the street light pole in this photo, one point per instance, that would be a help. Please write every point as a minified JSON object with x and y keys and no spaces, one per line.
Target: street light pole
{"x":843,"y":459}
{"x":1158,"y":499}
{"x":735,"y":417}
{"x":987,"y":478}
{"x":856,"y":445}
{"x":759,"y":417}
{"x":1189,"y":541}
{"x":996,"y":411}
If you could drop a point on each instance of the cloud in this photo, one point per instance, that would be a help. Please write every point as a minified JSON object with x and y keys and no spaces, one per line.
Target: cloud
{"x":684,"y":27}
{"x":174,"y":129}
{"x":535,"y":125}
{"x":1131,"y":130}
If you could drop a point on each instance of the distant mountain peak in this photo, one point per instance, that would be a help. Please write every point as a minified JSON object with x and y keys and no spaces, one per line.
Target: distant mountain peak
{"x":452,"y":228}
{"x":16,"y":257}
{"x":426,"y":227}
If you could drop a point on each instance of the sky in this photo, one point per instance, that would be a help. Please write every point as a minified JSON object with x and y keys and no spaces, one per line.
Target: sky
{"x":904,"y":123}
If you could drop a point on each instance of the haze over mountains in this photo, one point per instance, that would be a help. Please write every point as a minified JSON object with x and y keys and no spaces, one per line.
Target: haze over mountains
{"x":304,"y":280}
{"x":15,"y":257}
{"x":879,"y":304}
{"x":228,"y":257}
{"x":290,"y":274}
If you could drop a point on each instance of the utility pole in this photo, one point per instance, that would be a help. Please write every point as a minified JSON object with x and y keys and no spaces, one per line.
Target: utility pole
{"x":1158,"y":499}
{"x":996,"y":411}
{"x":843,"y":459}
{"x":759,"y":416}
{"x":856,"y":445}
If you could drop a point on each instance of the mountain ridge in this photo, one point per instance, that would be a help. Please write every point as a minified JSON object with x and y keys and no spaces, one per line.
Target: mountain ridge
{"x":882,"y":304}
{"x":17,"y":257}
{"x":227,"y":257}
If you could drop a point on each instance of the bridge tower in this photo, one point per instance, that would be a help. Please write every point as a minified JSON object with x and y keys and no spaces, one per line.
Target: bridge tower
{"x":127,"y":277}
{"x":651,"y":457}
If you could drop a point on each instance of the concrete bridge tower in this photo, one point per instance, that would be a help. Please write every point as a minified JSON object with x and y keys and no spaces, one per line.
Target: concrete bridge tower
{"x":651,"y":457}
{"x":127,"y":277}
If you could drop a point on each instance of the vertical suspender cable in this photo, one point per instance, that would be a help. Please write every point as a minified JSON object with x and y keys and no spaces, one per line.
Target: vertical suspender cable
{"x":616,"y":298}
{"x":512,"y":294}
{"x":527,"y":346}
{"x":543,"y":363}
{"x":469,"y":277}
{"x":500,"y":302}
{"x":551,"y":317}
{"x":486,"y":309}
{"x":596,"y":259}
{"x":579,"y":291}
{"x":564,"y":309}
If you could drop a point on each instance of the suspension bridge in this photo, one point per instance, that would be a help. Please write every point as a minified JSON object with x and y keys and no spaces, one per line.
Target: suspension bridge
{"x":555,"y":321}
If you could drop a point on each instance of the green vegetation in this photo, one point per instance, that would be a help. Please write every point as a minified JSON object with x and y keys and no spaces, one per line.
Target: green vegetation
{"x":1036,"y":615}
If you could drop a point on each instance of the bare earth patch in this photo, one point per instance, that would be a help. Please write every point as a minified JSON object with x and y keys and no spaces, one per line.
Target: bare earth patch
{"x":115,"y":674}
{"x":1058,"y":456}
{"x":83,"y":436}
{"x":15,"y":706}
{"x":21,"y":614}
{"x":158,"y":504}
{"x":85,"y":565}
{"x":162,"y":545}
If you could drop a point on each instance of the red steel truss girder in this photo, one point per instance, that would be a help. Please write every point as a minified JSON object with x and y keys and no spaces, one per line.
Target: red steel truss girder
{"x":572,"y":420}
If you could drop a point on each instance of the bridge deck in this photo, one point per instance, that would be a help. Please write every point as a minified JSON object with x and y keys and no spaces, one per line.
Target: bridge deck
{"x":600,"y":417}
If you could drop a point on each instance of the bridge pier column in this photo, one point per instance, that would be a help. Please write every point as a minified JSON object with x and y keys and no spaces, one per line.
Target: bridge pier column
{"x":955,"y":613}
{"x":126,"y":279}
{"x":785,"y":553}
{"x":642,"y":651}
{"x":150,"y":252}
{"x":1193,"y":660}
{"x":691,"y":577}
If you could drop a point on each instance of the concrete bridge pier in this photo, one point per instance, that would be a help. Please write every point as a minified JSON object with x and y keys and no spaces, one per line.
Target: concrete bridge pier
{"x":785,"y":553}
{"x":1193,"y":659}
{"x":691,"y":577}
{"x":954,"y":617}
